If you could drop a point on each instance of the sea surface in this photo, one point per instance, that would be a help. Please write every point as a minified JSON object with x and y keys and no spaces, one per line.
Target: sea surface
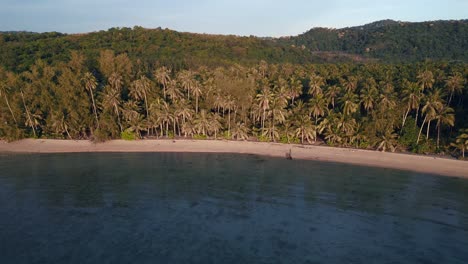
{"x":224,"y":208}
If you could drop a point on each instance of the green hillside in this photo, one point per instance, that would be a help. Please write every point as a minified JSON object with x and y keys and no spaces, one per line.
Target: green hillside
{"x":392,"y":41}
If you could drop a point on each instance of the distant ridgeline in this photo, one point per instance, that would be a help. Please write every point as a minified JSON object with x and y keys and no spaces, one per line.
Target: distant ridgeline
{"x":392,"y":41}
{"x":384,"y":41}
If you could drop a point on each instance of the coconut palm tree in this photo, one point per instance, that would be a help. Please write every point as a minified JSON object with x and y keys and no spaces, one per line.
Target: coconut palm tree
{"x":369,"y":97}
{"x":139,"y":91}
{"x":350,"y":84}
{"x":186,"y":80}
{"x":332,"y":93}
{"x":163,"y":77}
{"x":202,"y":123}
{"x":388,"y":141}
{"x":90,"y":84}
{"x":5,"y":82}
{"x":229,"y":105}
{"x":240,"y":131}
{"x":305,"y":130}
{"x":32,"y":120}
{"x":111,"y":102}
{"x":188,"y":129}
{"x":426,"y":80}
{"x":197,"y":92}
{"x":58,"y":123}
{"x":136,"y":122}
{"x":350,"y":103}
{"x":444,"y":116}
{"x":411,"y":98}
{"x":315,"y":85}
{"x":173,"y":91}
{"x":294,"y":89}
{"x":263,"y":100}
{"x":433,"y":104}
{"x":461,"y":142}
{"x":454,"y":85}
{"x":317,"y":107}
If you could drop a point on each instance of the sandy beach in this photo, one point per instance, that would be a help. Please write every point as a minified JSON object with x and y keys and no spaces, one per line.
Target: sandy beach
{"x":417,"y":163}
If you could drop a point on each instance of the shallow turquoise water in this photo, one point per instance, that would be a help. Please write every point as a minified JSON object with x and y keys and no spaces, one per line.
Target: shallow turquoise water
{"x":223,"y":208}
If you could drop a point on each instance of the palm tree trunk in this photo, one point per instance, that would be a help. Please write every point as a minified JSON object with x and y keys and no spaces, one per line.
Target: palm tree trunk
{"x":438,"y":133}
{"x":118,"y":118}
{"x":405,"y":117}
{"x":147,"y":111}
{"x":94,"y":108}
{"x":196,"y":104}
{"x":428,"y":127}
{"x":263,"y":119}
{"x":417,"y":114}
{"x":420,"y":131}
{"x":27,"y":113}
{"x":229,"y":123}
{"x":9,"y":108}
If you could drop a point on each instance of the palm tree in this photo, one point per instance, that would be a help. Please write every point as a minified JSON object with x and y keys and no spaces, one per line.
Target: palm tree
{"x":240,"y":131}
{"x":444,"y":116}
{"x":188,"y":129}
{"x":432,"y":105}
{"x":229,"y":104}
{"x":115,"y":81}
{"x":317,"y":107}
{"x":305,"y":130}
{"x":186,"y":79}
{"x":139,"y":91}
{"x":173,"y":91}
{"x":58,"y":123}
{"x":294,"y":89}
{"x":278,"y":116}
{"x":332,"y":93}
{"x":183,"y":111}
{"x":111,"y":102}
{"x":387,"y":141}
{"x":90,"y":84}
{"x":315,"y":85}
{"x":454,"y":84}
{"x":197,"y":92}
{"x":426,"y":79}
{"x":350,"y":84}
{"x":263,"y":99}
{"x":350,"y":104}
{"x":368,"y":97}
{"x":163,"y":77}
{"x":461,"y":142}
{"x":202,"y":123}
{"x":31,"y":120}
{"x":134,"y":119}
{"x":5,"y":89}
{"x":411,"y":98}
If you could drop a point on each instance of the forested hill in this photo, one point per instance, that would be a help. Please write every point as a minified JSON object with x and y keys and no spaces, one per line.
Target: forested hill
{"x":19,"y":50}
{"x":392,"y":41}
{"x":385,"y":41}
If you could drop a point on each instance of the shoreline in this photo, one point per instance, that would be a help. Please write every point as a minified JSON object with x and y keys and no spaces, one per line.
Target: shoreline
{"x":415,"y":163}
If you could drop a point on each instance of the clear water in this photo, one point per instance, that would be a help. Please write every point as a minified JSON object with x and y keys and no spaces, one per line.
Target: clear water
{"x":223,"y":208}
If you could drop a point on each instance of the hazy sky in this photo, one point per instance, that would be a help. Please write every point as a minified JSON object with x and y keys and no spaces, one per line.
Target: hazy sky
{"x":240,"y":17}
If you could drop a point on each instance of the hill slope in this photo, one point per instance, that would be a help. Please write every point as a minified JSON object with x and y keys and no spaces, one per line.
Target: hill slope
{"x":387,"y":41}
{"x":392,"y":41}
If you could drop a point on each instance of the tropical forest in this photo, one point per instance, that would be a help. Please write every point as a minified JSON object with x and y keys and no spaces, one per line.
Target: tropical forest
{"x":387,"y":86}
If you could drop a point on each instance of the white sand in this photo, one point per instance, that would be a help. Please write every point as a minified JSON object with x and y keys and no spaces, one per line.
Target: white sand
{"x":426,"y":164}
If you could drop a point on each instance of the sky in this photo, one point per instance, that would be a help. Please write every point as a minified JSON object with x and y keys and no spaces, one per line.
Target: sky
{"x":273,"y":18}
